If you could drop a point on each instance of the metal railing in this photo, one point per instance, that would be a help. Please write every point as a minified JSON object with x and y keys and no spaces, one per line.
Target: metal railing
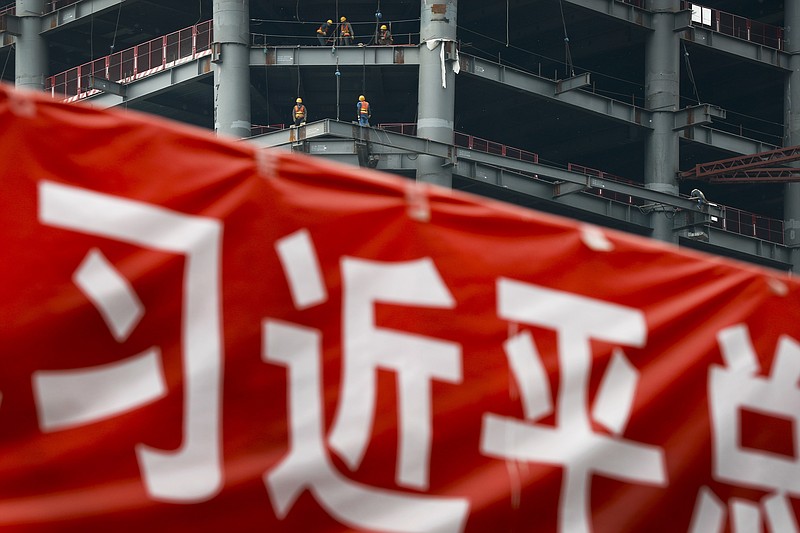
{"x":602,"y":192}
{"x":733,"y":220}
{"x":53,"y":5}
{"x":468,"y":141}
{"x":736,"y":26}
{"x":258,"y":129}
{"x":750,"y":224}
{"x":134,"y":63}
{"x":292,"y":33}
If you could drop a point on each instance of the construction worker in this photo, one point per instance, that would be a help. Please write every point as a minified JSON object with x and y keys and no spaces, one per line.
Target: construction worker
{"x":345,"y":32}
{"x":363,"y":112}
{"x":385,"y":36}
{"x":299,"y":113}
{"x":322,"y":32}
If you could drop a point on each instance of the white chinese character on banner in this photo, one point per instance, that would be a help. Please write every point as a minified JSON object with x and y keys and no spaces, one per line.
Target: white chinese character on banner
{"x":70,"y":398}
{"x":737,"y":387}
{"x":415,"y":359}
{"x":572,"y":444}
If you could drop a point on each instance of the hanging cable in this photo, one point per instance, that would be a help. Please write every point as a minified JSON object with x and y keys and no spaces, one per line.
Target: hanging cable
{"x":378,"y":17}
{"x":298,"y":80}
{"x":507,"y":17}
{"x":266,"y":91}
{"x":116,"y":26}
{"x":91,"y":33}
{"x":338,"y":79}
{"x":689,"y":71}
{"x":3,"y":73}
{"x":567,"y":54}
{"x":199,"y":15}
{"x":364,"y":72}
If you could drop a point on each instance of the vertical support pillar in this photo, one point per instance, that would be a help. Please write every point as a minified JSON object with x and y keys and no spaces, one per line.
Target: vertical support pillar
{"x":232,"y":68}
{"x":31,"y":49}
{"x":791,"y":134}
{"x":662,"y":98}
{"x":436,"y":106}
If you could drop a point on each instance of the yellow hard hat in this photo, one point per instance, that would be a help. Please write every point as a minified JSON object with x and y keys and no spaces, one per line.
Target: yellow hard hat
{"x":383,"y":27}
{"x":330,"y":21}
{"x":342,"y":19}
{"x":361,"y":98}
{"x":299,"y":100}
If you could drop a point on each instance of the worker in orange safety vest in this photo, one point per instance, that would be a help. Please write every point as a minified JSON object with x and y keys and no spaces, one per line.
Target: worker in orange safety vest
{"x":299,"y":113}
{"x":345,"y":32}
{"x":322,"y":32}
{"x":363,"y":111}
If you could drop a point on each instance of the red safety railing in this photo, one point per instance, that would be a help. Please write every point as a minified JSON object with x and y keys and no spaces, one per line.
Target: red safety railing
{"x":469,"y":141}
{"x":134,"y":63}
{"x":602,"y":192}
{"x":491,"y":147}
{"x":744,"y":223}
{"x":736,"y":26}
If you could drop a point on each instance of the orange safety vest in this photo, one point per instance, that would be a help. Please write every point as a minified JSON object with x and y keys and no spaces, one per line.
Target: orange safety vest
{"x":346,"y":29}
{"x":299,"y":111}
{"x":364,"y":107}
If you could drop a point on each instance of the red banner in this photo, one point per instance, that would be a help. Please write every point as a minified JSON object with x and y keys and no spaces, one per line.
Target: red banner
{"x":202,"y":336}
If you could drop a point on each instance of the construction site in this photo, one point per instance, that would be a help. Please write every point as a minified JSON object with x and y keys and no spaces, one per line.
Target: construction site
{"x":662,"y":118}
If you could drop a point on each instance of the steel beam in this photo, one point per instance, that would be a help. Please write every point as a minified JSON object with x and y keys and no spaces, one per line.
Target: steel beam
{"x":575,"y":82}
{"x":740,"y":48}
{"x":699,"y":114}
{"x":155,"y":83}
{"x":743,"y":248}
{"x":407,"y":143}
{"x":618,"y":10}
{"x":725,"y":141}
{"x":546,"y":88}
{"x":315,"y":56}
{"x":78,"y":11}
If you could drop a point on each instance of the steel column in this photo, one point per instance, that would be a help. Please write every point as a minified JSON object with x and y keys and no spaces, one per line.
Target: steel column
{"x":232,"y":67}
{"x":662,"y":92}
{"x":31,"y":49}
{"x":791,"y":198}
{"x":436,"y":106}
